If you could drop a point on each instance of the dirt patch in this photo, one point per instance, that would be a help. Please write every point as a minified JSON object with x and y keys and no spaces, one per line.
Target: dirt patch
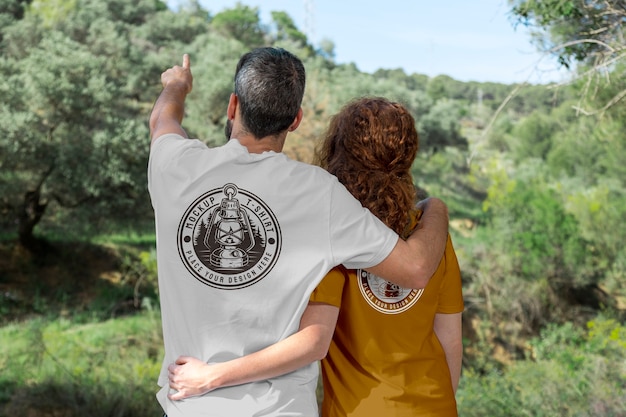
{"x":62,"y":279}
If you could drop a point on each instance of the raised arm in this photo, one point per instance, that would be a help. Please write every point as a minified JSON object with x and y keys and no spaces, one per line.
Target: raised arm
{"x":191,"y":376}
{"x":414,"y":261}
{"x":168,"y":111}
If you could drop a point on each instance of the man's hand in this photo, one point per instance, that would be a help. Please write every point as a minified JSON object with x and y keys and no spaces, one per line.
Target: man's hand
{"x":179,"y":75}
{"x":414,"y":261}
{"x":169,"y":109}
{"x":189,"y":376}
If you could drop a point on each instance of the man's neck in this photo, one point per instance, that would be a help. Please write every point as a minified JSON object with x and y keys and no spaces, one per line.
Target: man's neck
{"x":251,"y":142}
{"x":268,"y":143}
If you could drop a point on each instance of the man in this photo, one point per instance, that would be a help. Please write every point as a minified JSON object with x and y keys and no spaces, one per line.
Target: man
{"x":244,"y":235}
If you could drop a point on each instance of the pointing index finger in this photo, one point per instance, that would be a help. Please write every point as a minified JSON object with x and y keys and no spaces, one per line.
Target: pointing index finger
{"x":186,"y":63}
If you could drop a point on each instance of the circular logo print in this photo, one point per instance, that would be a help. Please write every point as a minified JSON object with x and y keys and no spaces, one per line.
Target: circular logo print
{"x":385,"y":296}
{"x":228,"y":238}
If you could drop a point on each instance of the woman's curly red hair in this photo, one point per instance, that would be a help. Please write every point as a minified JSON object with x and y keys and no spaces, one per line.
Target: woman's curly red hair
{"x":370,"y":146}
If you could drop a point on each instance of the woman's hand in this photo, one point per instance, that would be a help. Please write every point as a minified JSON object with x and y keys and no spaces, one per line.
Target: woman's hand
{"x":190,"y":377}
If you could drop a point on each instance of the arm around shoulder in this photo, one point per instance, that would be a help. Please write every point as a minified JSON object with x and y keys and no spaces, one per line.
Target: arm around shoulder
{"x":412,"y":262}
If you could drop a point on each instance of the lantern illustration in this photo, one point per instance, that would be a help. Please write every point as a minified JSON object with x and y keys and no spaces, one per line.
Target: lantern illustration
{"x":229,"y":224}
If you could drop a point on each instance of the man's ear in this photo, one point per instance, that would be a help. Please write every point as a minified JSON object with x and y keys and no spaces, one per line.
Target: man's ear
{"x":296,"y":121}
{"x":233,"y":102}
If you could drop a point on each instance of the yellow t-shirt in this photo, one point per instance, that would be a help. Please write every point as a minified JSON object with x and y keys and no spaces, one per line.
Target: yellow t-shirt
{"x":385,"y":359}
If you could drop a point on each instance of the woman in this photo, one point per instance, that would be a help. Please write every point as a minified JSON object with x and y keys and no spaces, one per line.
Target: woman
{"x":395,"y":351}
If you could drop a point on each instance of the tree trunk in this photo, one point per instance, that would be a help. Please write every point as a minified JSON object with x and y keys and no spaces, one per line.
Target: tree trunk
{"x":30,"y":214}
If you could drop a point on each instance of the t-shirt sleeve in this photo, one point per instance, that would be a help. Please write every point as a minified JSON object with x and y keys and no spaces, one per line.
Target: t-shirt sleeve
{"x":165,"y":151}
{"x":330,"y":289}
{"x":451,"y":295}
{"x":358,"y":238}
{"x":163,"y":148}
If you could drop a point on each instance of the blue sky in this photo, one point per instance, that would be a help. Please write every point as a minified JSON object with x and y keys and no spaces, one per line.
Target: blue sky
{"x":469,"y":40}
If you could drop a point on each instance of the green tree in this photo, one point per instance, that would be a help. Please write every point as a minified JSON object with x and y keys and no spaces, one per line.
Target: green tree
{"x":587,"y":159}
{"x":439,"y":87}
{"x":11,"y":10}
{"x":532,"y":136}
{"x":214,"y":58}
{"x":440,"y":128}
{"x":530,"y":262}
{"x":52,"y":12}
{"x":586,"y":32}
{"x":410,"y":82}
{"x":327,"y":49}
{"x":286,"y":29}
{"x":589,"y":149}
{"x":73,"y":118}
{"x":537,"y":231}
{"x":60,"y":135}
{"x":241,"y":23}
{"x":575,"y":30}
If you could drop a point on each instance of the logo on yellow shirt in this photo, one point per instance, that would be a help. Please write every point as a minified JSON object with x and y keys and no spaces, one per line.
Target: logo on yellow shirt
{"x":384,"y":296}
{"x":228,"y":238}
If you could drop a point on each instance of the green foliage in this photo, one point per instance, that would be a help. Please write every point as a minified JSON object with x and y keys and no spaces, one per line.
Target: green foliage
{"x":599,"y":212}
{"x":165,"y":28}
{"x":52,"y":12}
{"x":57,"y":106}
{"x":587,"y":160}
{"x":440,"y":128}
{"x":533,"y":136}
{"x":573,"y":25}
{"x":586,"y":149}
{"x":241,"y":23}
{"x":570,"y":372}
{"x":71,"y":122}
{"x":587,"y":33}
{"x":438,"y":87}
{"x":535,"y":187}
{"x":498,"y":138}
{"x":410,"y":82}
{"x":91,"y":369}
{"x":214,"y":59}
{"x":12,"y":10}
{"x":576,"y":151}
{"x":532,"y":265}
{"x":326,"y":49}
{"x":286,"y":29}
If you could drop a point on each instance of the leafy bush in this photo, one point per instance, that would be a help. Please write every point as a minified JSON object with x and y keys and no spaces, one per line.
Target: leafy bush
{"x":570,"y":372}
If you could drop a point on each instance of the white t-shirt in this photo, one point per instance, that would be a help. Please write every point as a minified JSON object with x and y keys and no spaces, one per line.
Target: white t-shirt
{"x":242,"y":241}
